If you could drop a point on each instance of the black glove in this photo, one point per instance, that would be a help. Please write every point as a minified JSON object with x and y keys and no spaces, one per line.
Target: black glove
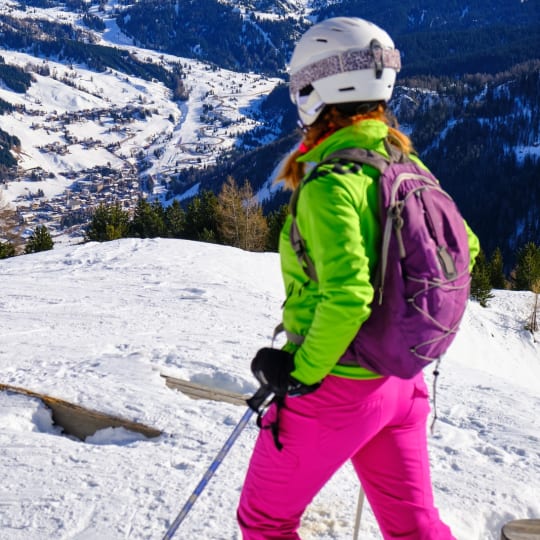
{"x":273,"y":367}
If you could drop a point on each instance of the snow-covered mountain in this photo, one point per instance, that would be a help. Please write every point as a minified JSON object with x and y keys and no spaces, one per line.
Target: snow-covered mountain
{"x":106,"y":100}
{"x":89,"y":136}
{"x":97,"y":325}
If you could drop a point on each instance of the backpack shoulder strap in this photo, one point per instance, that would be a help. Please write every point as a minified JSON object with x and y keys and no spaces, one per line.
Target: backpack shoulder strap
{"x":359,"y":156}
{"x":297,"y":242}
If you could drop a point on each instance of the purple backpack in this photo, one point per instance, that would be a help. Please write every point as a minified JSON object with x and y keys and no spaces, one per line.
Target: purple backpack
{"x":422,"y":281}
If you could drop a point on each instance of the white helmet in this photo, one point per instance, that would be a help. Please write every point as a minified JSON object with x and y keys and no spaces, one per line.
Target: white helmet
{"x":341,"y":60}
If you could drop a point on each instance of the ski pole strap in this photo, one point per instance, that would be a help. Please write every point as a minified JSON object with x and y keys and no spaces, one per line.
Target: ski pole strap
{"x":435,"y":379}
{"x":259,"y":402}
{"x":274,"y":426}
{"x":258,"y":399}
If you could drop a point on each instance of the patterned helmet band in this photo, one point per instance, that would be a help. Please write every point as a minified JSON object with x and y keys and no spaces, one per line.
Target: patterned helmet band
{"x":352,"y":60}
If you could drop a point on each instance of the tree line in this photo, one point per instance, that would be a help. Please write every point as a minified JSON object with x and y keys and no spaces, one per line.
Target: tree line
{"x":234,"y":217}
{"x":488,"y":274}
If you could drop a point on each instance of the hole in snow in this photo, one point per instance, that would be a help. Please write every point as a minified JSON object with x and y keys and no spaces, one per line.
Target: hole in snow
{"x":24,"y":410}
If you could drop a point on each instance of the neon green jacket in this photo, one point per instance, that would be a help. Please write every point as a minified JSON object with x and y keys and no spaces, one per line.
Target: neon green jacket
{"x":337,"y":215}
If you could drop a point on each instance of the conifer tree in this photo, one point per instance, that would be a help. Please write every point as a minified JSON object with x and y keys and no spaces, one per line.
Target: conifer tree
{"x":201,"y":218}
{"x":241,"y":221}
{"x":496,"y":270}
{"x":109,"y":222}
{"x":527,"y":272}
{"x":256,"y":226}
{"x":527,"y":277}
{"x":40,"y":240}
{"x":148,"y":220}
{"x":175,"y":220}
{"x":480,"y":281}
{"x":276,"y":219}
{"x":7,"y":249}
{"x":229,"y":213}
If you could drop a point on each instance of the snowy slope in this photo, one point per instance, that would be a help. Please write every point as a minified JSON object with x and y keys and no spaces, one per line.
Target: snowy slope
{"x":97,"y":324}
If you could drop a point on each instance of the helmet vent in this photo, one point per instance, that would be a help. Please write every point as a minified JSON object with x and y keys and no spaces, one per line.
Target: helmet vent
{"x":347,"y":89}
{"x":322,"y":40}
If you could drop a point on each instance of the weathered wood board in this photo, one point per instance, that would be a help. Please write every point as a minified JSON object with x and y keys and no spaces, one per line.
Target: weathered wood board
{"x":199,"y":391}
{"x":521,"y":529}
{"x":79,"y":421}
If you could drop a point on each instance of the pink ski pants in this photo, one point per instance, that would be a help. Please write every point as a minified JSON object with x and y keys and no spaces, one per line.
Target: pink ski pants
{"x":380,"y":425}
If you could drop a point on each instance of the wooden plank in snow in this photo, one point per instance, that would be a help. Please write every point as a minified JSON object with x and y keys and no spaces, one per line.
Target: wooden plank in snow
{"x":199,"y":391}
{"x":521,"y":529}
{"x":79,"y":421}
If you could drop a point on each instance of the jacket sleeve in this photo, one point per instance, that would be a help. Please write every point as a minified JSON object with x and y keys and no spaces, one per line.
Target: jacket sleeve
{"x":339,"y":228}
{"x":474,"y":246}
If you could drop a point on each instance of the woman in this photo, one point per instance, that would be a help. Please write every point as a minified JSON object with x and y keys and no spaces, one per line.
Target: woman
{"x":342,"y":74}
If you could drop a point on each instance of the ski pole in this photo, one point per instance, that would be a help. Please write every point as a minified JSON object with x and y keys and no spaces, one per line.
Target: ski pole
{"x":255,"y":402}
{"x":361,"y":496}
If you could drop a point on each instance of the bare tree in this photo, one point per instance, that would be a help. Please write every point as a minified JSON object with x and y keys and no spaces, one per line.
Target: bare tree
{"x":241,"y":221}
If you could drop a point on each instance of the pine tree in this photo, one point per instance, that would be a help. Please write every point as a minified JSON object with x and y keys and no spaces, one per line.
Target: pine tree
{"x":496,"y":270}
{"x":40,"y":240}
{"x":241,"y":221}
{"x":276,"y":219}
{"x":229,"y":213}
{"x":175,"y":220}
{"x":7,"y":249}
{"x":201,"y":218}
{"x":108,"y":223}
{"x":148,"y":220}
{"x":480,"y":281}
{"x":256,"y":226}
{"x":527,"y":277}
{"x":527,"y":272}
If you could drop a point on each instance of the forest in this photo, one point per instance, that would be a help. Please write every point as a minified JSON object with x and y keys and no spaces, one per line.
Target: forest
{"x":214,"y":32}
{"x":438,"y":38}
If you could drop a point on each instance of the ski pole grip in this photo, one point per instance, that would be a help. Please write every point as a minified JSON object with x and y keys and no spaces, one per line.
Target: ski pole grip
{"x":258,"y":398}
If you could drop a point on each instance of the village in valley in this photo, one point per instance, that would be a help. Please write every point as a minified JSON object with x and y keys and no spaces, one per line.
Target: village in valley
{"x":88,"y":139}
{"x":87,"y":188}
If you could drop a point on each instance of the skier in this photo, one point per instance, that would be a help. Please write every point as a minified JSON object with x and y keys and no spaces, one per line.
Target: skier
{"x":342,"y":75}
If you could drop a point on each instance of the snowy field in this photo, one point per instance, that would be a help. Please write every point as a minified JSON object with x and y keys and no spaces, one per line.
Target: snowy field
{"x":97,"y":324}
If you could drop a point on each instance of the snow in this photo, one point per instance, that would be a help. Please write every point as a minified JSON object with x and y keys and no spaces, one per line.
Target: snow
{"x":97,"y":325}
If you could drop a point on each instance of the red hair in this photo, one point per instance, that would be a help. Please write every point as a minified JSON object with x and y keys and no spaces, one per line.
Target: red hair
{"x":331,"y":120}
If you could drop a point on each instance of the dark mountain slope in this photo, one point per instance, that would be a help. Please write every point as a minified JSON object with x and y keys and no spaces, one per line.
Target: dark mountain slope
{"x":441,"y":38}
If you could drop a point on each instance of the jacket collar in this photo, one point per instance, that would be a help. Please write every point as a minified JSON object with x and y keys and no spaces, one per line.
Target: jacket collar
{"x":368,"y":134}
